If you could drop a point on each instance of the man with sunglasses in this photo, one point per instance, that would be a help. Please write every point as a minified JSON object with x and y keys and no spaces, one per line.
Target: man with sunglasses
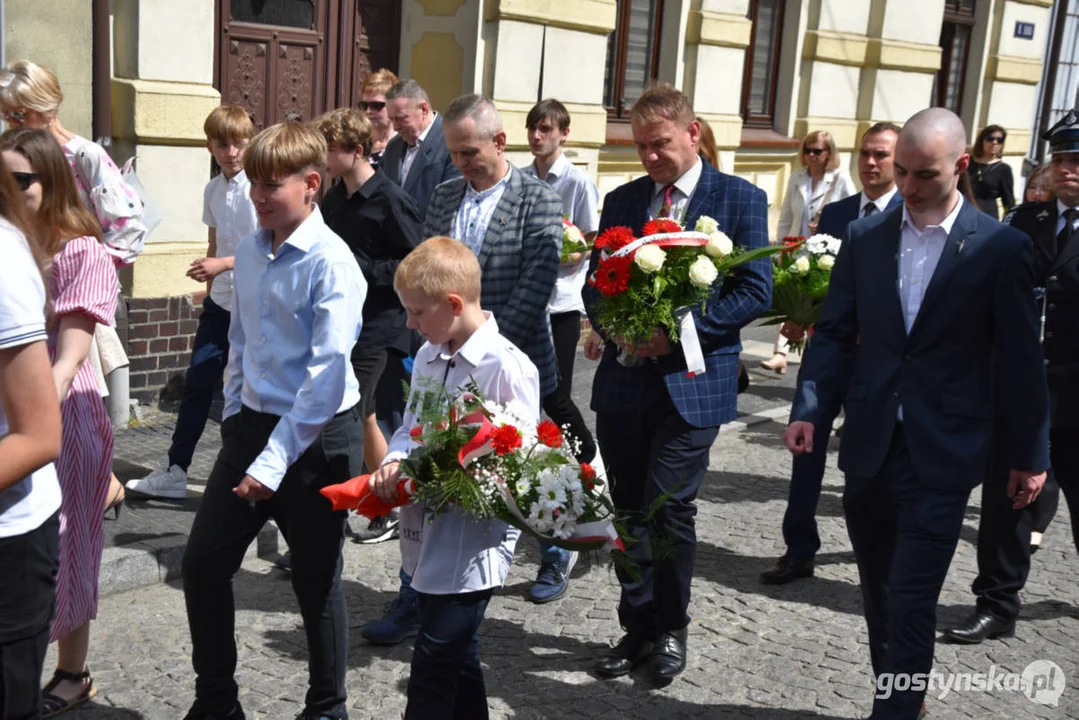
{"x":417,"y":159}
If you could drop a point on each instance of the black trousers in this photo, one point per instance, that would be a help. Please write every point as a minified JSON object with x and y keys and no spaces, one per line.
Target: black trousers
{"x":28,"y":565}
{"x":904,"y":534}
{"x":225,"y":525}
{"x":559,"y":405}
{"x":655,"y":453}
{"x":1004,"y":533}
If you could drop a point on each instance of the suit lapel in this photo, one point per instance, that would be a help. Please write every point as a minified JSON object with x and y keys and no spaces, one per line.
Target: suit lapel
{"x":1045,"y":236}
{"x":444,"y":224}
{"x":1070,"y":251}
{"x":638,"y":211}
{"x":889,"y":242}
{"x":700,"y":200}
{"x":503,"y":216}
{"x":950,"y":258}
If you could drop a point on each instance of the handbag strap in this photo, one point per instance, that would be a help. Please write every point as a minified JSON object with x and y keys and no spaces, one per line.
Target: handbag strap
{"x":831,"y":187}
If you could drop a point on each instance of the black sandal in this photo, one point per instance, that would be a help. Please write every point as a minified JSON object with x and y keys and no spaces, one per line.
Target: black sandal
{"x":53,"y":705}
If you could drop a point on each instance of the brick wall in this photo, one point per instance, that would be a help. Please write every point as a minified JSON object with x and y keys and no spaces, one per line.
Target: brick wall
{"x":160,"y":333}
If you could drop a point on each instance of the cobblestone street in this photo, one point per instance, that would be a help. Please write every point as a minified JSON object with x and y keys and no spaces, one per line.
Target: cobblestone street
{"x":797,"y":651}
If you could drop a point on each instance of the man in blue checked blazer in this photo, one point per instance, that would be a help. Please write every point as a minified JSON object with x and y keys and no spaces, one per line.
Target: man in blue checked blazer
{"x":655,"y":424}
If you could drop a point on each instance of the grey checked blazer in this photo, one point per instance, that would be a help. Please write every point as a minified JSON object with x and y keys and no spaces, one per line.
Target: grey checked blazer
{"x":519,"y":261}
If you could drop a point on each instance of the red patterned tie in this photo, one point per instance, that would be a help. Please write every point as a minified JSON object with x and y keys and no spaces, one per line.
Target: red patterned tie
{"x":665,"y":208}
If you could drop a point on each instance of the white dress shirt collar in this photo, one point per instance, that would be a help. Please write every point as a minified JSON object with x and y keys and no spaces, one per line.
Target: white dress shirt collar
{"x":946,"y":224}
{"x":881,"y":202}
{"x":685,"y":184}
{"x":480,"y":195}
{"x":476,"y":347}
{"x":426,"y":131}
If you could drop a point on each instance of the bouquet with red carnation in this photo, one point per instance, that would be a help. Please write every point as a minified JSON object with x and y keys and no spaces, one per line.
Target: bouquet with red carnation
{"x":489,"y":461}
{"x":656,"y":280}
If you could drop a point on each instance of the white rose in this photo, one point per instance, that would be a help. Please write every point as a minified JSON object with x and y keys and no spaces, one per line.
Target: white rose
{"x":801,"y":265}
{"x":706,"y":225}
{"x":719,"y":245}
{"x":826,"y":262}
{"x":650,"y":258}
{"x":573,"y":234}
{"x":702,"y":272}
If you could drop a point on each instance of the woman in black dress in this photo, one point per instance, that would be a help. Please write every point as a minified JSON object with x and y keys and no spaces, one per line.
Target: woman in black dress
{"x":990,"y":177}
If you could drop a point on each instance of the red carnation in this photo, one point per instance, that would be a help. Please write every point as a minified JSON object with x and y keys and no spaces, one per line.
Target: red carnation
{"x":792,"y":242}
{"x":588,"y":476}
{"x":612,"y":275}
{"x":416,"y":432}
{"x":614,"y":238}
{"x":549,"y":434}
{"x":660,"y":225}
{"x":506,"y":439}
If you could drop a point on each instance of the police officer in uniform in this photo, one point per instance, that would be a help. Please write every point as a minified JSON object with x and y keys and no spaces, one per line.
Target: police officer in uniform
{"x":1004,"y":533}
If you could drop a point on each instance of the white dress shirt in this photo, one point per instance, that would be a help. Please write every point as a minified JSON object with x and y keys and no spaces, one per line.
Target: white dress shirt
{"x":683,"y":189}
{"x":227,"y":207}
{"x":1061,"y":209}
{"x":451,"y":552}
{"x":296,"y":317}
{"x":880,"y":203}
{"x":412,"y":150}
{"x":31,"y":501}
{"x":580,"y":204}
{"x":475,"y":211}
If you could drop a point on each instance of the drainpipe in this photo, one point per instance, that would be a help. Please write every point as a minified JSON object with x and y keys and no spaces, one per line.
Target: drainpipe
{"x":3,"y":44}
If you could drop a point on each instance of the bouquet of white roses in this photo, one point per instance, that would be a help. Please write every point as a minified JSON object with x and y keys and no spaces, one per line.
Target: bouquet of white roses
{"x":800,"y":281}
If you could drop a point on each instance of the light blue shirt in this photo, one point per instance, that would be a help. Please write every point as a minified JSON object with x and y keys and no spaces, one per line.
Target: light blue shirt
{"x":1061,"y":209}
{"x":296,"y":316}
{"x":474,"y":214}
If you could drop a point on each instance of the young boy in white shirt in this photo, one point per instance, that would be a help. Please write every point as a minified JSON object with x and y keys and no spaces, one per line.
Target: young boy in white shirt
{"x":548,"y":128}
{"x":454,"y":561}
{"x":292,"y":425}
{"x":228,"y":211}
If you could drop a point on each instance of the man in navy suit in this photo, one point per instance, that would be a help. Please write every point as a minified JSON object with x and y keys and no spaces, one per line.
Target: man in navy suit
{"x":877,"y":173}
{"x":915,"y":366}
{"x":654,"y":423}
{"x":417,"y":158}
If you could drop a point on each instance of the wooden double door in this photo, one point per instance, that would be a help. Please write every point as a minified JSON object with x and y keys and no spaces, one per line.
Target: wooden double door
{"x":294,"y":59}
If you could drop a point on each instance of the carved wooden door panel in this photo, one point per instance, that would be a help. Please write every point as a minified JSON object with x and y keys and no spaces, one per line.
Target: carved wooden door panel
{"x":272,"y":58}
{"x":370,"y":39}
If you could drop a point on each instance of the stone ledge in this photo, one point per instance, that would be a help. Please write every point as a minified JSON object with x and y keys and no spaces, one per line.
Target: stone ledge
{"x":833,"y":47}
{"x":1006,"y":68}
{"x":162,"y":113}
{"x":899,"y":55}
{"x":722,"y":29}
{"x":597,"y":16}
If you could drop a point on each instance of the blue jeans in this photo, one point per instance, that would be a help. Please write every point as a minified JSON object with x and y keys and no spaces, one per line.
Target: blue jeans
{"x":209,"y":357}
{"x":446,"y":681}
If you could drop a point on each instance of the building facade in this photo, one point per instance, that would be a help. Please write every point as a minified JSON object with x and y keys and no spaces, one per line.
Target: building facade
{"x":762,"y":72}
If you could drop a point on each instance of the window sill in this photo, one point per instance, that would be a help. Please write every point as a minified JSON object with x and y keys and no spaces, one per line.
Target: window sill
{"x":766,"y":138}
{"x":619,"y":132}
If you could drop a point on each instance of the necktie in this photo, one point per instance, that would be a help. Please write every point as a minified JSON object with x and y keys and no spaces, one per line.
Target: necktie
{"x":1065,"y":236}
{"x":869,"y":209}
{"x":665,"y":208}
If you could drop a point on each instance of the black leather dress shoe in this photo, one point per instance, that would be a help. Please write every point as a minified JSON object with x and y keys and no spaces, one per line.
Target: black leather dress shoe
{"x":669,"y":655}
{"x":633,"y":649}
{"x":787,"y":570}
{"x":980,"y":626}
{"x":237,"y":713}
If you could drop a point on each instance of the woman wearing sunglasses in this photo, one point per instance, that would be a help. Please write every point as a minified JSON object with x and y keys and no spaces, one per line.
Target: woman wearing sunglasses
{"x":991,"y":178}
{"x":29,"y":442}
{"x":82,"y":294}
{"x":818,"y":182}
{"x":373,"y":102}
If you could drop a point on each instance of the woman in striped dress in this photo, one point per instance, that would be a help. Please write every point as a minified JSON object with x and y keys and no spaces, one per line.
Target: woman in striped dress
{"x":82,"y":293}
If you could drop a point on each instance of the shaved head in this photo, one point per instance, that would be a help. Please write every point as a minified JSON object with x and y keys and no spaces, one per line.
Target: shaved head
{"x":930,"y":155}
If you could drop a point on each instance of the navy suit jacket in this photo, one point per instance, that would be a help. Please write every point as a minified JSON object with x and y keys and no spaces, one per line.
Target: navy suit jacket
{"x":709,"y":399}
{"x":836,"y":216}
{"x":431,"y":167}
{"x":979,"y":304}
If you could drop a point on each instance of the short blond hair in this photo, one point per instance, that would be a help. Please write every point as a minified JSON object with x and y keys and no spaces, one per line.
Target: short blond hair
{"x":661,"y":101}
{"x":26,"y":85}
{"x":284,"y":149}
{"x":829,"y":142}
{"x":346,"y":128}
{"x":228,"y":122}
{"x":378,"y":82}
{"x":438,"y":267}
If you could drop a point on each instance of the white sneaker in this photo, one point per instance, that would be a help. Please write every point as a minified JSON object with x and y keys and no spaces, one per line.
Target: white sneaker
{"x":162,"y":483}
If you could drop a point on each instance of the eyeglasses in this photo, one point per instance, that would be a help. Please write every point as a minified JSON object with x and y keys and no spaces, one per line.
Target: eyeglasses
{"x":373,"y":105}
{"x":813,"y":151}
{"x":996,"y":139}
{"x":17,"y":117}
{"x":25,"y":180}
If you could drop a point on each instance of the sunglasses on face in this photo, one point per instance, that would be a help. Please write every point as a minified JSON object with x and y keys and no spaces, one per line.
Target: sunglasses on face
{"x":814,"y":151}
{"x":24,"y":180}
{"x":373,"y":105}
{"x":17,"y":117}
{"x":995,"y":139}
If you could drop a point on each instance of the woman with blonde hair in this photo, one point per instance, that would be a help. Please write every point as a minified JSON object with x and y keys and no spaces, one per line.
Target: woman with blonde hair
{"x":373,"y":102}
{"x":82,"y":294}
{"x":818,"y":182}
{"x":1039,"y":186}
{"x":707,"y":145}
{"x":30,"y":96}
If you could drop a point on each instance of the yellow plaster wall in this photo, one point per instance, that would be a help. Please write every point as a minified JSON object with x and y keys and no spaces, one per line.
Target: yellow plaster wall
{"x":589,"y":15}
{"x":438,"y":66}
{"x":159,"y":271}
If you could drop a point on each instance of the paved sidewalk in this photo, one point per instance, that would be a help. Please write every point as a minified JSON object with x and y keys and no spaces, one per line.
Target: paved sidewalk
{"x":756,"y":651}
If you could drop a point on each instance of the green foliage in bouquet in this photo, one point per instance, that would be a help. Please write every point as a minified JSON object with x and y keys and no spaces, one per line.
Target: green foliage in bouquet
{"x":800,"y":281}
